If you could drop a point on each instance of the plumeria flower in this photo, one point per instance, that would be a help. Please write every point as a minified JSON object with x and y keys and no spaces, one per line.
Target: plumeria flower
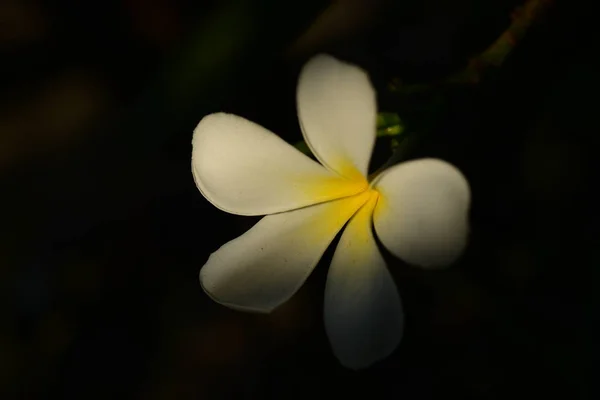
{"x":419,"y":210}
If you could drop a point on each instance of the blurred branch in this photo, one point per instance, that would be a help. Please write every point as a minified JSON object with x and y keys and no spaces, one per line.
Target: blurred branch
{"x":493,"y":57}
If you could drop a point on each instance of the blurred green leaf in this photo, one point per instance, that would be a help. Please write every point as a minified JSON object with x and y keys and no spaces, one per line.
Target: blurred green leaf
{"x":386,"y":119}
{"x":303,"y":147}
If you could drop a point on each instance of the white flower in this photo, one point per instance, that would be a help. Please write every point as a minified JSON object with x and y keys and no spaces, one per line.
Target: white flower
{"x":419,"y":210}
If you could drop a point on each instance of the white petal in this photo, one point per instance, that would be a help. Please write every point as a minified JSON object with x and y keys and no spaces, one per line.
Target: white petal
{"x":264,"y":267}
{"x":363,"y":311}
{"x":337,"y":109}
{"x":243,"y":168}
{"x":422,"y":213}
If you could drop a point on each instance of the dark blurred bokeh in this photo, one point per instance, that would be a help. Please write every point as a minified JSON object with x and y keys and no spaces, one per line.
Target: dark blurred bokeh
{"x":102,"y":231}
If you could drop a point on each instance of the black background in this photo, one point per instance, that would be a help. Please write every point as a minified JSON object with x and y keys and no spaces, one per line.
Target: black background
{"x":102,"y":231}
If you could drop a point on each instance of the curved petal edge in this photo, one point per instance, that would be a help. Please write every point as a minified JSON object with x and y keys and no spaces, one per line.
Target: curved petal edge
{"x":337,"y":111}
{"x":422,"y":215}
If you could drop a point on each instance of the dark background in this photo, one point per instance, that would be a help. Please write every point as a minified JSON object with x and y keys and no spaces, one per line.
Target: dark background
{"x":103,"y":233}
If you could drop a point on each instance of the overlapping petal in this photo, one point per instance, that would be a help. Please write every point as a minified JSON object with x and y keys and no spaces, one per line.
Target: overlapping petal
{"x":265,"y":266}
{"x":422,"y":213}
{"x":337,"y":110}
{"x":243,"y":168}
{"x":363,"y":312}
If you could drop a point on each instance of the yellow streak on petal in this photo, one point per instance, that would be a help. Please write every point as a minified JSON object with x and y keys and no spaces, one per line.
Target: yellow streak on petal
{"x":338,"y":213}
{"x":360,"y":227}
{"x":326,"y":189}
